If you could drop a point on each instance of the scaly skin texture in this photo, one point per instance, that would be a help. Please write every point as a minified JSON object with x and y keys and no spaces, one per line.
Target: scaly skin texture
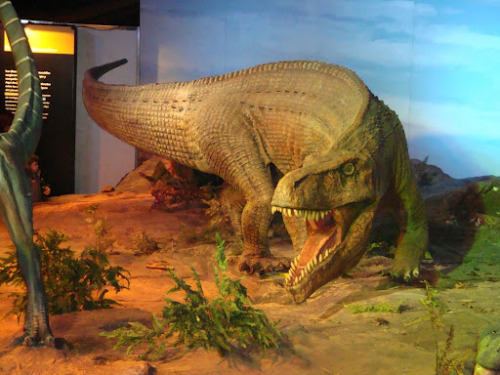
{"x":16,"y":205}
{"x":342,"y":153}
{"x":488,"y":352}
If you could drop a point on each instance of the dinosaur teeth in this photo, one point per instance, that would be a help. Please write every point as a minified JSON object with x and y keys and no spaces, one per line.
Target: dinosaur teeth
{"x":306,"y":214}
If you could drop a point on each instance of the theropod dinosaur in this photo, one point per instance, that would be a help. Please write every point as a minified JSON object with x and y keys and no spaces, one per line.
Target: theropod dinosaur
{"x":341,"y":150}
{"x":16,"y":146}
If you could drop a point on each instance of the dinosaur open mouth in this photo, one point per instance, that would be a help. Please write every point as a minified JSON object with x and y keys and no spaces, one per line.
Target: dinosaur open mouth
{"x":327,"y":231}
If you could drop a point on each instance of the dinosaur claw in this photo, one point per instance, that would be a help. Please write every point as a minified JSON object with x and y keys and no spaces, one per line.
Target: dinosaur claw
{"x":402,"y":271}
{"x":263,"y":265}
{"x":29,"y":341}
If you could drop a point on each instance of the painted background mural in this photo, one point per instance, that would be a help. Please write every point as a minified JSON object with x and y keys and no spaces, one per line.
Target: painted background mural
{"x":436,"y":63}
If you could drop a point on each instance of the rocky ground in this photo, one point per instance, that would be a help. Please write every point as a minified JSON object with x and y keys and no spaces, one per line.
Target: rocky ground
{"x":324,"y":334}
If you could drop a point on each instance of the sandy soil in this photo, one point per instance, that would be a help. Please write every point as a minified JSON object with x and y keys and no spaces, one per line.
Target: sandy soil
{"x":327,"y":337}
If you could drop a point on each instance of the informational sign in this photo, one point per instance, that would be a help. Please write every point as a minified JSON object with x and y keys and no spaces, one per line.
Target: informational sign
{"x":54,"y":52}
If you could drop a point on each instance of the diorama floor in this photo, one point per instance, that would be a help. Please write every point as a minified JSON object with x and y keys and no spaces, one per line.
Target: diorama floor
{"x":325,"y":336}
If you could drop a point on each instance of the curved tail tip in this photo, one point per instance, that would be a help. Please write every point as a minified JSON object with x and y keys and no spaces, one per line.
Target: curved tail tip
{"x":97,"y":71}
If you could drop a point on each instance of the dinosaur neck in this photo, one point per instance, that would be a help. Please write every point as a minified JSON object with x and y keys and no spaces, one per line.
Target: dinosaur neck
{"x":27,"y":123}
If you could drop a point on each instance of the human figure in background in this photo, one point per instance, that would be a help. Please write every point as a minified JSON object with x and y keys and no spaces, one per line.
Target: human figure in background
{"x":39,"y":190}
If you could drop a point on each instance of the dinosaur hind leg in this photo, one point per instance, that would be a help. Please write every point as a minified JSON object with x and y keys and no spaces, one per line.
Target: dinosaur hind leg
{"x":17,"y":214}
{"x":255,"y":221}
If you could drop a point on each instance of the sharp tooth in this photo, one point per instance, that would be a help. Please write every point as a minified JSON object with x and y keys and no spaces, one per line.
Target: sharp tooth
{"x":273,"y":210}
{"x":309,"y":267}
{"x":315,"y":261}
{"x":320,"y":258}
{"x":316,"y":215}
{"x":302,"y":273}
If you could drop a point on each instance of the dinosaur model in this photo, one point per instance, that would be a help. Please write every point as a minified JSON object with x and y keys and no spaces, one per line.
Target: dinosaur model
{"x":16,"y":206}
{"x":341,"y":150}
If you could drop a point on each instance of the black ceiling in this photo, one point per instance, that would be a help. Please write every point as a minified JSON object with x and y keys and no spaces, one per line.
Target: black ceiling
{"x":101,"y":12}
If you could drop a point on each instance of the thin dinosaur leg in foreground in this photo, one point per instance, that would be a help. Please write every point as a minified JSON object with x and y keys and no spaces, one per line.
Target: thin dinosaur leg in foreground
{"x":16,"y":146}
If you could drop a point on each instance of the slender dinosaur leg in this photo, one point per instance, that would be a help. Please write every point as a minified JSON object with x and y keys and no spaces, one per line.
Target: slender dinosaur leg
{"x":16,"y":209}
{"x":413,"y":238}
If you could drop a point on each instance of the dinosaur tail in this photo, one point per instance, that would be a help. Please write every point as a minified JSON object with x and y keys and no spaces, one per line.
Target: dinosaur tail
{"x":97,"y":72}
{"x":150,"y":117}
{"x":27,"y":124}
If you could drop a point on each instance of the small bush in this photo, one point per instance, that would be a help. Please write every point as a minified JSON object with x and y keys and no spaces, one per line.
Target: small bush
{"x":145,"y":244}
{"x":219,"y":323}
{"x":380,"y":307}
{"x":72,"y":283}
{"x":445,"y":362}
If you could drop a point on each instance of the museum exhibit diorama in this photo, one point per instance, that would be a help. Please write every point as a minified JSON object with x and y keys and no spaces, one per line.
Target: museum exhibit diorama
{"x":206,"y":197}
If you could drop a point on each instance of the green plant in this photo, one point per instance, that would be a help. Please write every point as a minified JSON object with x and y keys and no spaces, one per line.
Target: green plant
{"x":220,"y":323}
{"x":219,"y":223}
{"x":381,"y":248}
{"x":445,"y":363}
{"x":379,"y":307}
{"x":103,"y":241}
{"x":145,"y":244}
{"x":71,"y":283}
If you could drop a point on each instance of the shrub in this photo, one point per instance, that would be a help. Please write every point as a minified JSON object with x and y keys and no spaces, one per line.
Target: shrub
{"x":145,"y":244}
{"x":219,"y":323}
{"x":72,"y":282}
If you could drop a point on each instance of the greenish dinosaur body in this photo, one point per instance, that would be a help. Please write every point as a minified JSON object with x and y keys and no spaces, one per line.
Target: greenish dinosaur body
{"x":341,"y":151}
{"x":488,"y":352}
{"x":16,"y":146}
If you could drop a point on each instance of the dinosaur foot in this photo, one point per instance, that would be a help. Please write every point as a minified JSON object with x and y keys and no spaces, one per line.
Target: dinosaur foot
{"x":403,"y":271}
{"x":49,"y":341}
{"x":31,"y":340}
{"x":264,"y":265}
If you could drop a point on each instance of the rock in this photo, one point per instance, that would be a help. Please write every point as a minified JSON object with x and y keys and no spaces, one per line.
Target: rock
{"x":135,"y":181}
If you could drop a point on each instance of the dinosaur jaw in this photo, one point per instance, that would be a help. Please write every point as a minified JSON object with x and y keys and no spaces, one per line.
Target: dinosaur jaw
{"x":336,"y":241}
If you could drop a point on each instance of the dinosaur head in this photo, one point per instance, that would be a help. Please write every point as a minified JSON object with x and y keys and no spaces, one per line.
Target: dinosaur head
{"x":337,"y":197}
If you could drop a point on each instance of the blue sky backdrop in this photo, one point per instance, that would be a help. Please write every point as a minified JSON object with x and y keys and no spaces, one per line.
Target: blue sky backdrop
{"x":436,"y":63}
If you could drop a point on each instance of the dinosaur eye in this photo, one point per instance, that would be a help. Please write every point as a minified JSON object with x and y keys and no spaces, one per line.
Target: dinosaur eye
{"x":348,"y":169}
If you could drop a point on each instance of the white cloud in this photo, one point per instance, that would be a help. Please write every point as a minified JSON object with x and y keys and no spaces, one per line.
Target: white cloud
{"x":423,"y":118}
{"x":458,"y":35}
